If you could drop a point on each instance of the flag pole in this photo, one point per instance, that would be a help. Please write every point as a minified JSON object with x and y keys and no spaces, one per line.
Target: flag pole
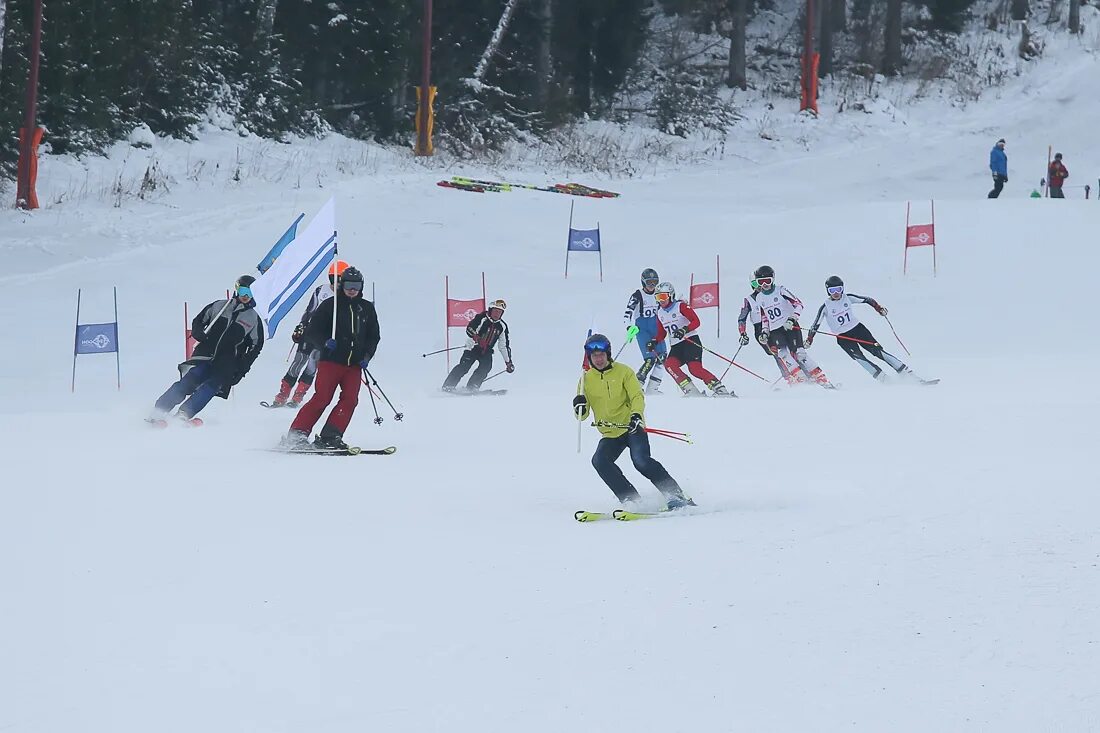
{"x":599,"y":241}
{"x":568,"y":239}
{"x":76,"y":337}
{"x":118,"y":353}
{"x":336,"y":288}
{"x":447,"y":317}
{"x":718,"y":284}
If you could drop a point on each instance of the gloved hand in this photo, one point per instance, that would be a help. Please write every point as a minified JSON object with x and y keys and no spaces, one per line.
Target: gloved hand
{"x":744,"y":340}
{"x":762,"y":337}
{"x":297,"y":334}
{"x":509,"y":367}
{"x":580,"y":406}
{"x":882,"y":310}
{"x":1004,"y":178}
{"x":678,"y":332}
{"x":810,"y":339}
{"x":330,"y":345}
{"x":637,"y":424}
{"x":365,"y":363}
{"x":631,"y":332}
{"x":651,"y":345}
{"x":791,"y":324}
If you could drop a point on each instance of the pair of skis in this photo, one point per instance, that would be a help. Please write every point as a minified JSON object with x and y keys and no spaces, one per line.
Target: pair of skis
{"x":480,"y":186}
{"x":351,"y":450}
{"x":621,"y":515}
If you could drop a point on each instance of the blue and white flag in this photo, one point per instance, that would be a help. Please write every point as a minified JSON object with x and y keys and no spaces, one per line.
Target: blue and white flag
{"x":287,"y":238}
{"x":296,"y":268}
{"x":584,"y":240}
{"x":96,"y":338}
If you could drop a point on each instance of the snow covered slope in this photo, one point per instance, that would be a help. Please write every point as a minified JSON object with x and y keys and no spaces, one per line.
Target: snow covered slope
{"x":878,"y":558}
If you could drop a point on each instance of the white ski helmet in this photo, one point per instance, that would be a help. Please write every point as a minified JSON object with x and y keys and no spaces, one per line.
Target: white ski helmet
{"x":665,"y":288}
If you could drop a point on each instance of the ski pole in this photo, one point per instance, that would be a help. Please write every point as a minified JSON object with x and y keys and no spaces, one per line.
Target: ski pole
{"x":895,"y":334}
{"x":292,"y":347}
{"x":726,"y":358}
{"x":443,"y":350}
{"x":491,"y":376}
{"x":686,"y":437}
{"x":373,"y":404}
{"x":731,"y":362}
{"x":850,"y":338}
{"x":396,"y":415}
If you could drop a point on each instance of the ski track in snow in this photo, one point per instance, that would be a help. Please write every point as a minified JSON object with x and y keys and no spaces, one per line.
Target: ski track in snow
{"x":879,"y":558}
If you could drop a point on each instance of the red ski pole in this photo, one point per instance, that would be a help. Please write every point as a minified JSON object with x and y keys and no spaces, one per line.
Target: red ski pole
{"x":896,"y":334}
{"x":727,"y":359}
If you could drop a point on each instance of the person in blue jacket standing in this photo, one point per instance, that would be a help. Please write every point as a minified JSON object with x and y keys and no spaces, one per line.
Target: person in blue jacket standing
{"x":998,"y":163}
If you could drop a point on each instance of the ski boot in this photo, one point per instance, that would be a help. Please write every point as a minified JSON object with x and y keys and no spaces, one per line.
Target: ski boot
{"x":654,"y":386}
{"x":689,"y":389}
{"x":284,"y":392}
{"x":448,"y":388}
{"x":820,"y":378}
{"x":679,"y":501}
{"x":329,"y":439}
{"x":719,"y":389}
{"x":188,"y":421}
{"x":299,"y":394}
{"x":295,"y":440}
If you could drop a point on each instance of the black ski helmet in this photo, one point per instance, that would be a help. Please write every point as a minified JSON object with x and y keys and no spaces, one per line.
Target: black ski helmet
{"x":650,"y":275}
{"x":597,"y":342}
{"x":833,"y":281}
{"x":244,"y":281}
{"x":764,"y":271}
{"x":352,"y":275}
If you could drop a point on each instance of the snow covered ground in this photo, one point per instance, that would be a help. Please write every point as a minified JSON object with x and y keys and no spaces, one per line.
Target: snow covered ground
{"x":877,"y":558}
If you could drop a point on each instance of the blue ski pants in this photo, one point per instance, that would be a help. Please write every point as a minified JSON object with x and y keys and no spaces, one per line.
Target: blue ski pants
{"x":197,"y":386}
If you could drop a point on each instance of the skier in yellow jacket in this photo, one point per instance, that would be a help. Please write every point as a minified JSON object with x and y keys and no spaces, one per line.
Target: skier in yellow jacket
{"x":611,"y":392}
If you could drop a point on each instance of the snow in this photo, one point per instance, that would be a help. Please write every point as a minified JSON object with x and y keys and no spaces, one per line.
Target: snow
{"x":879,"y":558}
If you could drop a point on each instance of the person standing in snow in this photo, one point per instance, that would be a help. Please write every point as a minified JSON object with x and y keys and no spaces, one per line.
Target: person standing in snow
{"x":779,"y":329}
{"x":641,"y":322}
{"x":678,"y":324}
{"x":998,"y":164}
{"x":611,"y":393}
{"x":852,"y":334}
{"x":1056,"y":176}
{"x":304,"y":367}
{"x":485,"y":331}
{"x":343,"y":359}
{"x":230,"y":336}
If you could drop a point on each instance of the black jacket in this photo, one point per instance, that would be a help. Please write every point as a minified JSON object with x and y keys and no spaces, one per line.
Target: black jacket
{"x":485,"y":333}
{"x":230,"y":336}
{"x":357,"y":332}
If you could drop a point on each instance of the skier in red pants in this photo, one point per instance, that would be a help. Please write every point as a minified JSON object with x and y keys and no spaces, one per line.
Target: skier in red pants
{"x":343,"y":359}
{"x":678,"y":324}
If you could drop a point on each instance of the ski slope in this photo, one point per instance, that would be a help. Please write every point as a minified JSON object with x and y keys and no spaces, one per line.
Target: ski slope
{"x":883,"y":557}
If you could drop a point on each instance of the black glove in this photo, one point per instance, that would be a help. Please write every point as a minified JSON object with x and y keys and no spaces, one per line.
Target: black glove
{"x":744,"y":340}
{"x":330,"y":346}
{"x":297,"y":334}
{"x":810,"y":339}
{"x":580,"y":406}
{"x":637,"y":424}
{"x":509,"y":367}
{"x":762,"y":337}
{"x":651,"y":345}
{"x":678,"y":332}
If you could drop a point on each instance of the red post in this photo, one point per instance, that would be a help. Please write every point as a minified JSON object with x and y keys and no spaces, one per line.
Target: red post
{"x":718,"y":282}
{"x":905,"y":257}
{"x":24,"y":190}
{"x":447,"y":317}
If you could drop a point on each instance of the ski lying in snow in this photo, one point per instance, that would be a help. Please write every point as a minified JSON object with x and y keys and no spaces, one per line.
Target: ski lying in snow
{"x":583,"y":516}
{"x":929,"y":382}
{"x":351,"y":450}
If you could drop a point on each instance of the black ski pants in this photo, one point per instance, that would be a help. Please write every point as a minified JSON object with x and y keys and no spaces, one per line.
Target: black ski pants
{"x":855,"y":350}
{"x":484,"y":361}
{"x":998,"y":185}
{"x":609,"y":450}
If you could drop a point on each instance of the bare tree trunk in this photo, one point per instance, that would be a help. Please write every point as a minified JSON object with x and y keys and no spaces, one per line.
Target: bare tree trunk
{"x":494,"y":42}
{"x":3,"y":13}
{"x":1055,"y":12}
{"x":824,"y":12}
{"x":862,"y":32}
{"x":265,"y":25}
{"x":738,"y":76}
{"x":1020,"y":9}
{"x":543,"y":66}
{"x":840,"y":15}
{"x":1074,"y":16}
{"x":891,"y":58}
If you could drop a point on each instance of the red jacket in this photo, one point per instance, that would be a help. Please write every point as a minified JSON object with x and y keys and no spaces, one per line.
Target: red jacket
{"x":1057,"y":174}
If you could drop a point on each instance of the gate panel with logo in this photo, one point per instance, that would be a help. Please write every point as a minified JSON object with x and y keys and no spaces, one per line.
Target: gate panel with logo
{"x":919,"y":235}
{"x":96,"y":338}
{"x":582,"y":240}
{"x":707,"y":295}
{"x":460,"y":312}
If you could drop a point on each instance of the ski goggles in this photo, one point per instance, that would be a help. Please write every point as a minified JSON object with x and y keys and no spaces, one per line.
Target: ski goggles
{"x":651,"y":283}
{"x":351,"y":285}
{"x":764,"y":282}
{"x":243,"y":291}
{"x":662,"y":298}
{"x":597,"y":345}
{"x":835,"y":290}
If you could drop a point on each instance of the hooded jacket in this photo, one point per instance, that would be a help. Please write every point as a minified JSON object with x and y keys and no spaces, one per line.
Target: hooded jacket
{"x":357,"y":333}
{"x":230,"y":336}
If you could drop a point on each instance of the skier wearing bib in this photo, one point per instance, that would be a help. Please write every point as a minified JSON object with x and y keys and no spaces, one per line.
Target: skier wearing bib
{"x":611,"y":393}
{"x":838,"y":314}
{"x":790,"y":372}
{"x":779,"y":329}
{"x":303,"y":368}
{"x":641,"y":322}
{"x":678,"y":324}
